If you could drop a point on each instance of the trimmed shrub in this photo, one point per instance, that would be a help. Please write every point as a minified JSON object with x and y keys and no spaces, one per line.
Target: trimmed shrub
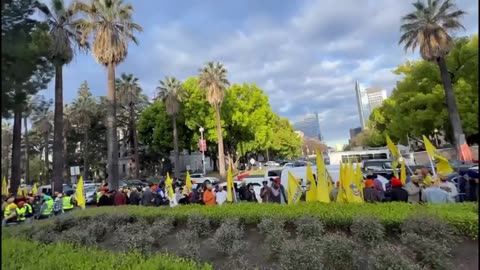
{"x":200,"y":224}
{"x":189,"y":246}
{"x":275,"y":235}
{"x":427,"y":251}
{"x":25,"y":255}
{"x":228,"y":238}
{"x":309,"y":228}
{"x":389,"y":257}
{"x":429,"y":227}
{"x":338,"y":252}
{"x":134,"y":237}
{"x":368,"y":231}
{"x":301,"y":254}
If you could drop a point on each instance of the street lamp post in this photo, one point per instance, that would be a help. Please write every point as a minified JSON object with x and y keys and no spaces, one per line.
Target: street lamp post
{"x":202,"y":149}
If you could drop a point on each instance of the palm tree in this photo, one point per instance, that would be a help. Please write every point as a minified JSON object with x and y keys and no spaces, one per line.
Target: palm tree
{"x":41,"y":121}
{"x":213,"y":78}
{"x":64,"y":37}
{"x":110,"y":22}
{"x":84,"y":107}
{"x":427,"y":28}
{"x":170,"y":91}
{"x":26,"y":114}
{"x":129,"y":97}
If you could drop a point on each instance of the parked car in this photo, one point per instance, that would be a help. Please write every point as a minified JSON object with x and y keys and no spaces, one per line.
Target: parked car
{"x":288,"y":165}
{"x":272,"y":163}
{"x":200,"y":178}
{"x":47,"y":189}
{"x":381,"y":167}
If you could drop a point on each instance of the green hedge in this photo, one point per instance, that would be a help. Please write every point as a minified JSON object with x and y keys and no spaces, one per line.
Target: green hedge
{"x":20,"y":254}
{"x":461,"y":216}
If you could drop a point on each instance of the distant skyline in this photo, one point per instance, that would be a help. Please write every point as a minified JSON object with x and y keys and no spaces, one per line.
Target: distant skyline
{"x":305,"y":54}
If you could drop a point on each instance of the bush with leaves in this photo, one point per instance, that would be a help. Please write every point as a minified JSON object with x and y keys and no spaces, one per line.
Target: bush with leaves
{"x":338,"y":252}
{"x":134,"y":237}
{"x":300,"y":254}
{"x":309,"y":228}
{"x":275,"y":235}
{"x":389,"y":257}
{"x":368,"y":231}
{"x":200,"y":224}
{"x":189,"y":244}
{"x":431,"y":227}
{"x":428,"y":252}
{"x":229,"y":238}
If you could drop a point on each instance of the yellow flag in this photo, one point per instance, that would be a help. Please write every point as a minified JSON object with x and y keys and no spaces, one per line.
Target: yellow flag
{"x":403,"y":173}
{"x":229,"y":184}
{"x":19,"y":191}
{"x":4,"y":187}
{"x":395,"y":155}
{"x":34,"y":189}
{"x":79,"y":194}
{"x":329,"y":181}
{"x":341,"y":196}
{"x":443,"y":165}
{"x":188,"y":181}
{"x":311,"y":194}
{"x":353,"y":194}
{"x":359,"y":179}
{"x":323,"y":183}
{"x":294,"y":189}
{"x":169,"y":186}
{"x":25,"y":191}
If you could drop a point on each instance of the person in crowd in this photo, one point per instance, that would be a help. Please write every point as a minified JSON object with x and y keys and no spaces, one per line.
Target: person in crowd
{"x":250,"y":195}
{"x":68,"y":202}
{"x":21,"y":212}
{"x":448,"y":186}
{"x":434,"y":194}
{"x":414,"y":188}
{"x":242,"y":191}
{"x":198,"y":195}
{"x":46,"y":210}
{"x":147,"y":197}
{"x":180,"y":197}
{"x":10,"y":212}
{"x":30,"y":210}
{"x":185,"y":194}
{"x":472,"y":186}
{"x":462,"y":185}
{"x":208,"y":194}
{"x":135,"y":196}
{"x":266,"y":192}
{"x":58,"y":204}
{"x":104,"y":199}
{"x":278,"y":192}
{"x":397,"y":193}
{"x":119,"y":198}
{"x":162,"y":195}
{"x":378,"y":185}
{"x":370,"y":194}
{"x":334,"y":192}
{"x":426,"y":176}
{"x":102,"y":191}
{"x":221,"y":195}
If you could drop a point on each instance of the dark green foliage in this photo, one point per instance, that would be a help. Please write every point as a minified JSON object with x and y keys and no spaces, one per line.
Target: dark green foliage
{"x":229,"y":238}
{"x":388,"y":257}
{"x":338,"y":252}
{"x":300,"y":254}
{"x":309,"y":228}
{"x":427,"y":251}
{"x":430,"y":227}
{"x":200,"y":224}
{"x":134,"y":237}
{"x":275,"y":235}
{"x":189,"y":244}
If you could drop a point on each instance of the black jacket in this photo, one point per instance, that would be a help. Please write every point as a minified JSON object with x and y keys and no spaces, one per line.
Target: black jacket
{"x":397,"y":194}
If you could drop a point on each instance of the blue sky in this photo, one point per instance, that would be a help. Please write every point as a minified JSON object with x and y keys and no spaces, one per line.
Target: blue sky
{"x":306,"y":54}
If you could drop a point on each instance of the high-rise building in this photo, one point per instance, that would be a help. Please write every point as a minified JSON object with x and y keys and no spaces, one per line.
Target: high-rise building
{"x":310,"y":126}
{"x":375,"y":97}
{"x":368,"y":100}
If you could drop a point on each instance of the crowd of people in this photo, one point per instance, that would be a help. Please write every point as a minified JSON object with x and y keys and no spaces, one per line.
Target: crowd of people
{"x":420,"y":187}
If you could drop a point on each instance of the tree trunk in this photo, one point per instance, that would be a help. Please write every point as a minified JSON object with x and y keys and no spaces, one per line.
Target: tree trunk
{"x":66,"y":171}
{"x":135,"y":142}
{"x":27,"y":158}
{"x":112,"y":142}
{"x":85,"y":155}
{"x":16,"y":149}
{"x":453,"y":114}
{"x":58,"y":157}
{"x":221,"y":154}
{"x":175,"y":146}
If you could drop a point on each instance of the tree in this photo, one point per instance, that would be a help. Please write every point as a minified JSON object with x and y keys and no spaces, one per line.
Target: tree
{"x":63,"y":37}
{"x":84,"y":107}
{"x":171,"y":92}
{"x":110,"y":22}
{"x":213,"y":79}
{"x":130,"y":100}
{"x":6,"y":148}
{"x":26,"y":115}
{"x":41,"y":121}
{"x":427,"y":27}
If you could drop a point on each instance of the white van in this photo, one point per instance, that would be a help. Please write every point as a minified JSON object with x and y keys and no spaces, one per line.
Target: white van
{"x":299,"y":173}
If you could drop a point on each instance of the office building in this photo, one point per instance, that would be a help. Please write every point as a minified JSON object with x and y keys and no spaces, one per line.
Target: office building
{"x":368,"y":100}
{"x":310,"y":126}
{"x":375,"y":97}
